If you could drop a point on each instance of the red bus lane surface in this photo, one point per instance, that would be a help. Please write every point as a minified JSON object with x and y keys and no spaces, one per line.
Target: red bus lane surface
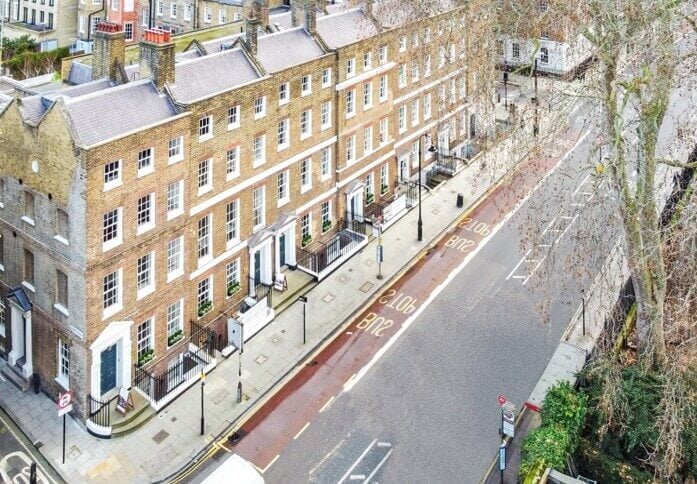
{"x":287,"y":414}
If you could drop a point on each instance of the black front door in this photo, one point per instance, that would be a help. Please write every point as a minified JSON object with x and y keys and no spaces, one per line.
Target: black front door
{"x":282,"y":249}
{"x":257,"y":268}
{"x":108,"y":369}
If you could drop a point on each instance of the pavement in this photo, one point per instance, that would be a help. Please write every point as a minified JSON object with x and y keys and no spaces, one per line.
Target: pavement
{"x":171,"y":440}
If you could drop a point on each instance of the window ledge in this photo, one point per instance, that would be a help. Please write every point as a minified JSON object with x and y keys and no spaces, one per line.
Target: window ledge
{"x":111,"y":244}
{"x":146,"y":291}
{"x":141,"y":229}
{"x":204,"y":190}
{"x":204,"y":260}
{"x":326,"y":127}
{"x":305,"y":136}
{"x":305,"y":189}
{"x":62,"y":240}
{"x":28,"y":220}
{"x":232,"y":176}
{"x":145,"y":171}
{"x":111,"y":310}
{"x":367,"y":107}
{"x":306,"y":93}
{"x":259,"y":116}
{"x":174,"y":214}
{"x":283,"y":102}
{"x":174,"y":275}
{"x":175,"y":159}
{"x":230,"y":127}
{"x":205,"y":137}
{"x":351,"y":115}
{"x":63,"y":381}
{"x":257,"y":164}
{"x":282,"y":202}
{"x":284,"y":146}
{"x":112,"y":185}
{"x":29,"y":286}
{"x":61,"y":309}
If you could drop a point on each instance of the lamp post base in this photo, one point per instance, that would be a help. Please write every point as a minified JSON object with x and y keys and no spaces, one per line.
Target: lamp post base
{"x":419,"y":231}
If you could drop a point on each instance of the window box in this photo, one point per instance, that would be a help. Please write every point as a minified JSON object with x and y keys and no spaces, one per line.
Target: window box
{"x":233,"y":288}
{"x":307,"y":240}
{"x":149,"y":355}
{"x":204,"y":308}
{"x":384,"y":189}
{"x":174,"y":337}
{"x":326,"y":225}
{"x":369,"y":199}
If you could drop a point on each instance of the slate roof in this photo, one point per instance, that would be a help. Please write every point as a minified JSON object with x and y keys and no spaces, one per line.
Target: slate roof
{"x":282,"y":50}
{"x":212,"y":73}
{"x":345,"y":28}
{"x":112,"y":112}
{"x":34,"y":107}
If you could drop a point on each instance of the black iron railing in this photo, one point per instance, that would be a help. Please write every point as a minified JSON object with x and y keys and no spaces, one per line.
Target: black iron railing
{"x":179,"y":369}
{"x":323,"y":254}
{"x":99,"y":411}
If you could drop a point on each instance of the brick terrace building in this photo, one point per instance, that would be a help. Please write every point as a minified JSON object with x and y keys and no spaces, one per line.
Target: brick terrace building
{"x":132,"y":214}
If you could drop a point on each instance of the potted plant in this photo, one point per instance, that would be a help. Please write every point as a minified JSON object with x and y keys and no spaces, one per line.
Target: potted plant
{"x":233,"y":288}
{"x":326,"y":225}
{"x":307,"y":239}
{"x":174,"y":337}
{"x":384,"y":189}
{"x":146,"y":357}
{"x":204,"y":308}
{"x":369,"y":198}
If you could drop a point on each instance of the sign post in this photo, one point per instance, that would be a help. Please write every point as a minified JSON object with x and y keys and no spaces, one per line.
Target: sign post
{"x":65,"y":406}
{"x":380,"y":254}
{"x":502,"y":459}
{"x":508,"y":419}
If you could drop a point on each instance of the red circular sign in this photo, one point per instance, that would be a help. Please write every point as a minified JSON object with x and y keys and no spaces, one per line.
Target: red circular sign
{"x":64,"y":399}
{"x":502,"y":400}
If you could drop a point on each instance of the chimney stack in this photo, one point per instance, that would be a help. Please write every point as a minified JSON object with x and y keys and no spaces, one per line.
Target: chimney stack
{"x":296,"y":10}
{"x":251,"y":34}
{"x":311,"y":16}
{"x":157,"y":57}
{"x":260,"y":11}
{"x":109,"y":54}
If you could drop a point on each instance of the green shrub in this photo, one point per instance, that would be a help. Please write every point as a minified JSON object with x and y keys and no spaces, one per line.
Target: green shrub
{"x":545,"y":447}
{"x":595,"y":464}
{"x":565,"y":407}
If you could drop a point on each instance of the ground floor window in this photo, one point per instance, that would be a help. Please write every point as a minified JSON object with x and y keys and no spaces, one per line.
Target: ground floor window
{"x":63,"y":363}
{"x":144,"y":339}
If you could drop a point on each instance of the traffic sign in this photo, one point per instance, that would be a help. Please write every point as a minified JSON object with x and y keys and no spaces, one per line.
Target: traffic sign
{"x":502,"y":400}
{"x":508,"y":419}
{"x":502,"y":456}
{"x":65,"y":403}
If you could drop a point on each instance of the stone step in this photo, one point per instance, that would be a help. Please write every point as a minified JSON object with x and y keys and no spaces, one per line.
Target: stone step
{"x":127,"y":426}
{"x":16,"y":378}
{"x":140,"y":405}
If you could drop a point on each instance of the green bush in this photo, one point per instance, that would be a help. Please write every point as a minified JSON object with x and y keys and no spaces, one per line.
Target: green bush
{"x":565,"y":407}
{"x":545,"y":447}
{"x":593,"y":463}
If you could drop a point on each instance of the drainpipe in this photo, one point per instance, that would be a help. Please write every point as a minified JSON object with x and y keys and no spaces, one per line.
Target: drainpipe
{"x":89,"y":22}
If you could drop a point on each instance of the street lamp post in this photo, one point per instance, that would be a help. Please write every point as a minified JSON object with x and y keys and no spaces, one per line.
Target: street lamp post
{"x":303,"y":300}
{"x":420,"y":224}
{"x":203,"y":384}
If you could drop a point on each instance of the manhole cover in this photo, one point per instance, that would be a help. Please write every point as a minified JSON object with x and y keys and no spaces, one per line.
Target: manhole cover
{"x":275,"y":339}
{"x":342,"y":278}
{"x":74,"y":452}
{"x":160,"y":436}
{"x":328,"y":298}
{"x":261,"y":359}
{"x":367,"y":286}
{"x":435,"y":211}
{"x":173,"y":419}
{"x":283,"y":331}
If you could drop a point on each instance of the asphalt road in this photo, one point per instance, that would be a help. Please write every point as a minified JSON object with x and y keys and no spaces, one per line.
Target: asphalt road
{"x":433,"y":395}
{"x":17,"y":454}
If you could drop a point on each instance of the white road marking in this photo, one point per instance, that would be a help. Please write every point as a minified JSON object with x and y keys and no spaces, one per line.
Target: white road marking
{"x":357,"y":477}
{"x":518,"y":264}
{"x":587,"y":194}
{"x":351,"y":383}
{"x":582,"y":183}
{"x":384,"y":444}
{"x":28,"y":453}
{"x":544,"y":245}
{"x":566,"y":217}
{"x":263,"y":471}
{"x":534,"y":269}
{"x":327,"y":456}
{"x":326,"y":405}
{"x":567,"y":228}
{"x":301,"y":431}
{"x":549,"y":225}
{"x":360,"y":458}
{"x":2,"y":377}
{"x":518,"y":277}
{"x":580,"y":205}
{"x":375,"y":471}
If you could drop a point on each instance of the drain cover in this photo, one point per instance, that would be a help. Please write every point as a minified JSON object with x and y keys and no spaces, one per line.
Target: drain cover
{"x":261,"y":359}
{"x":367,"y":286}
{"x":328,"y":298}
{"x":160,"y":436}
